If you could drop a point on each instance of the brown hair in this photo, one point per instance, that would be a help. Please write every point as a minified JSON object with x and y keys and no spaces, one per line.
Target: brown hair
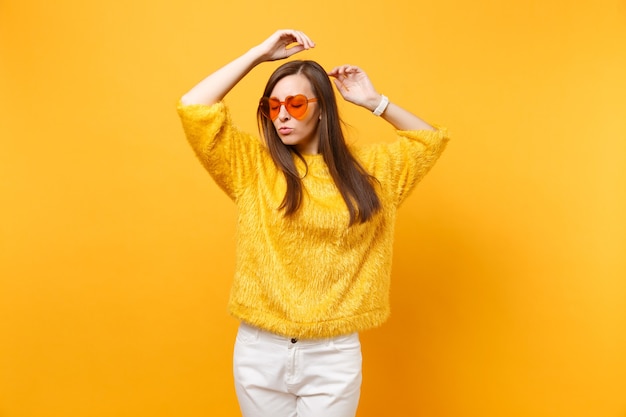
{"x":354,"y":183}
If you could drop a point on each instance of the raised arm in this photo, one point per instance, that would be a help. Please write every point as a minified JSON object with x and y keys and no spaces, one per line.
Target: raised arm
{"x":280,"y":45}
{"x":355,"y":86}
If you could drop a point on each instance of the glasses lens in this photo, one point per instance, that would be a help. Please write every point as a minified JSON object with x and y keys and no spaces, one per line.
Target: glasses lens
{"x":270,"y":107}
{"x":297,"y":105}
{"x":274,"y":107}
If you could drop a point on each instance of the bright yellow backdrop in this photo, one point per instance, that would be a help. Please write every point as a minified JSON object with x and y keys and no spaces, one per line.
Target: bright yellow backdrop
{"x":116,"y":249}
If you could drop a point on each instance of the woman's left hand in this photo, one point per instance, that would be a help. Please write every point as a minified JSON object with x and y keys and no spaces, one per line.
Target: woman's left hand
{"x":355,"y":86}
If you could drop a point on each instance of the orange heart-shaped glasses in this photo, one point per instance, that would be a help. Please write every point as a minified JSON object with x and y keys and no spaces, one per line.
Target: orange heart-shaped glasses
{"x":295,"y":106}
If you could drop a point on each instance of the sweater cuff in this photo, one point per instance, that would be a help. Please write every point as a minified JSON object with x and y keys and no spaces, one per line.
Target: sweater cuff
{"x":440,"y":135}
{"x":198,"y":112}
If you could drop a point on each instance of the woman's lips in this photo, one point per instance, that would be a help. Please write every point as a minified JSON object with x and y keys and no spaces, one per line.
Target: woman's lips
{"x":285,"y":130}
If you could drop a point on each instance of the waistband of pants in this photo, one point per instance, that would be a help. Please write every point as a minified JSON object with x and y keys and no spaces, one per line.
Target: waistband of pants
{"x":282,"y":340}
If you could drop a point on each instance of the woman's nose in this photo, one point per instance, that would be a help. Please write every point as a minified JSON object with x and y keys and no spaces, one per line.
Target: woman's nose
{"x":283,"y":114}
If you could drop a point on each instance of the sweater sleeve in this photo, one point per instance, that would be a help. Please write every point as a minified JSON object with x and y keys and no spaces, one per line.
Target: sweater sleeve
{"x":227,"y":153}
{"x":400,"y":165}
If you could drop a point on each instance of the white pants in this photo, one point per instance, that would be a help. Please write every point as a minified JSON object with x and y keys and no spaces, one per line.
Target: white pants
{"x":277,"y":376}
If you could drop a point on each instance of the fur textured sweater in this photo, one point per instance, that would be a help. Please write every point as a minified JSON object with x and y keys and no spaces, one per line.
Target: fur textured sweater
{"x":309,"y":275}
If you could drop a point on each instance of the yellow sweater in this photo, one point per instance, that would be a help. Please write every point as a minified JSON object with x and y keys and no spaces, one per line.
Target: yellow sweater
{"x":309,"y":275}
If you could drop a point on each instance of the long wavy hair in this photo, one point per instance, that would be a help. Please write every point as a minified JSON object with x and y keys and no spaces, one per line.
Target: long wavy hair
{"x":354,"y":183}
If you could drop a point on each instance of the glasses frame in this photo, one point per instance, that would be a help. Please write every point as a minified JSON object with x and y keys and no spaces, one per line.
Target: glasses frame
{"x":264,"y":106}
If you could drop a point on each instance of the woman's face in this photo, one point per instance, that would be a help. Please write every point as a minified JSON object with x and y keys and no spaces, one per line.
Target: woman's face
{"x":301,"y":132}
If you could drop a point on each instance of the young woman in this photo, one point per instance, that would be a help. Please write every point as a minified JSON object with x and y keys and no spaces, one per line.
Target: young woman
{"x":315,"y":224}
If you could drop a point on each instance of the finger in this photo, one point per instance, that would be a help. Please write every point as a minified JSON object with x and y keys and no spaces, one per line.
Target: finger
{"x":294,"y":50}
{"x":292,"y":36}
{"x":351,"y":70}
{"x":299,"y":38}
{"x":296,"y":37}
{"x":347,"y":70}
{"x":338,"y":71}
{"x":300,"y":43}
{"x":340,"y":86}
{"x":305,"y":41}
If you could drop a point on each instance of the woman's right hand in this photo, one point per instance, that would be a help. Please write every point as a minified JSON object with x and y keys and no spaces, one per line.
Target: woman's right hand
{"x":276,"y":46}
{"x":282,"y":44}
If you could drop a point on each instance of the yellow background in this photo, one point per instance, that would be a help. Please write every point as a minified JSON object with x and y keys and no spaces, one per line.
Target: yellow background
{"x":117,"y":250}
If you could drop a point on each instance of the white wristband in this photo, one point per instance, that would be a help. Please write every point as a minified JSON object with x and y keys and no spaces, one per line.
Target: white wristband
{"x":382,"y":106}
